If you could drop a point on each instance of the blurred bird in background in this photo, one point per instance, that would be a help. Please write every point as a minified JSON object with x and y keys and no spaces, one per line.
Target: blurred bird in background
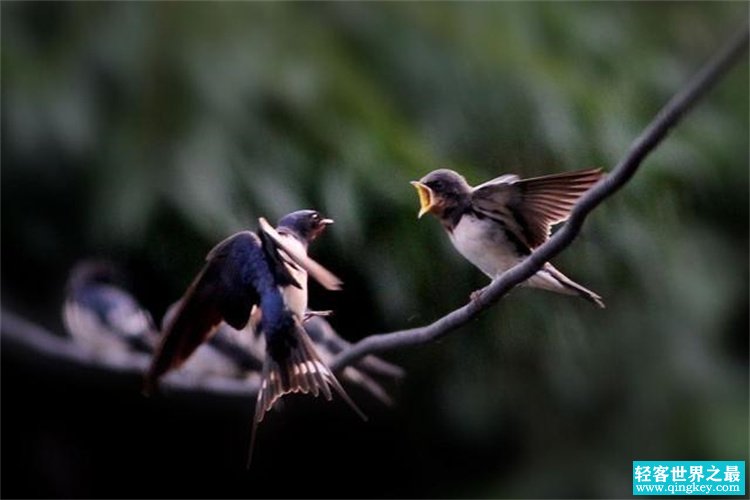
{"x":267,"y":269}
{"x":102,"y":316}
{"x":497,"y":224}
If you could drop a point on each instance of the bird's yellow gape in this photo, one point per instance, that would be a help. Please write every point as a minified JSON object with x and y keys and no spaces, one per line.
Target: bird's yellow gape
{"x":426,"y":198}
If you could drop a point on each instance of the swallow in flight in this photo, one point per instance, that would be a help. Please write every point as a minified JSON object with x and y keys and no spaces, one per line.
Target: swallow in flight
{"x":267,"y":269}
{"x":99,"y":313}
{"x":497,"y":224}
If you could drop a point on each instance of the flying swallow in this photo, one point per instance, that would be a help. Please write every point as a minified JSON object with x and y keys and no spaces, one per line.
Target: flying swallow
{"x":98,"y":312}
{"x":497,"y":224}
{"x":257,"y":269}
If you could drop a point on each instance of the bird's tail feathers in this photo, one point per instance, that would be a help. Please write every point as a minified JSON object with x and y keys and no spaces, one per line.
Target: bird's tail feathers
{"x":574,"y":288}
{"x":301,"y":371}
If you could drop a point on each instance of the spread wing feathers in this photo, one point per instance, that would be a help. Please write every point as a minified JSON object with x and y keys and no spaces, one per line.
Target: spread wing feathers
{"x":322,"y":275}
{"x":226,"y":289}
{"x":302,"y":370}
{"x":536,"y":203}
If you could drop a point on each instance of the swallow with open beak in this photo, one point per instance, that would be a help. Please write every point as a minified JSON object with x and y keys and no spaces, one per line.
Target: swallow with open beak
{"x":258,"y":269}
{"x":100,"y":313}
{"x":497,"y":224}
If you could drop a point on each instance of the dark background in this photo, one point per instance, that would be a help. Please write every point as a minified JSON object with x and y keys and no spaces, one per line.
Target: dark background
{"x":147,"y":132}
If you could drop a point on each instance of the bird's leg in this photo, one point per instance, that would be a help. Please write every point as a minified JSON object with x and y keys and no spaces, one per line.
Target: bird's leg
{"x":322,"y":314}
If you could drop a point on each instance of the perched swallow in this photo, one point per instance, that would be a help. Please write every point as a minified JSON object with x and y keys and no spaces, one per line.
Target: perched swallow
{"x":257,"y":269}
{"x":99,"y":313}
{"x":498,"y":223}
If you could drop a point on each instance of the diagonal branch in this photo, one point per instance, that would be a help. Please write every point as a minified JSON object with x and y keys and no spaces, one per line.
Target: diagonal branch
{"x":657,"y":130}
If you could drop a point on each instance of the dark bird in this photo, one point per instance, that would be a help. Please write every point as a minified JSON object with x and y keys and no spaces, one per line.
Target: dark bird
{"x":98,"y":312}
{"x":498,"y":223}
{"x":267,"y":269}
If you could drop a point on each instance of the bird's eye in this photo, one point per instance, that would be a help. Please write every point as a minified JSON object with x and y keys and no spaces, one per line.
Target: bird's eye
{"x":315,"y":217}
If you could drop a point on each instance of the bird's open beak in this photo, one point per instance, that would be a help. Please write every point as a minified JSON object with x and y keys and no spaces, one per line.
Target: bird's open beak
{"x":426,"y":198}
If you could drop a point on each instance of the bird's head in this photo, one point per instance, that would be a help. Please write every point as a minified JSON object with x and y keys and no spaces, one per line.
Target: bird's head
{"x":440,"y":191}
{"x":306,"y":224}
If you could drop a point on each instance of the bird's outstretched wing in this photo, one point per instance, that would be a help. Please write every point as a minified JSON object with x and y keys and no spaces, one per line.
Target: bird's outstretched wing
{"x":236,"y":273}
{"x":320,"y":273}
{"x":529,"y":207}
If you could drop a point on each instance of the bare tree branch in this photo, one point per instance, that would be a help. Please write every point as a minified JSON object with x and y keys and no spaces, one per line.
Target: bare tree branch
{"x":26,"y":335}
{"x":667,"y":118}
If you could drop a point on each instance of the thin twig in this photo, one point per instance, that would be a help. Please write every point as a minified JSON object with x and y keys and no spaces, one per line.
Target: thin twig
{"x":667,"y":118}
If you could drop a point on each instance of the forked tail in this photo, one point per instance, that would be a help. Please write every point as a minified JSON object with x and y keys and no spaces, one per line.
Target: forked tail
{"x":297,"y":369}
{"x":574,"y":288}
